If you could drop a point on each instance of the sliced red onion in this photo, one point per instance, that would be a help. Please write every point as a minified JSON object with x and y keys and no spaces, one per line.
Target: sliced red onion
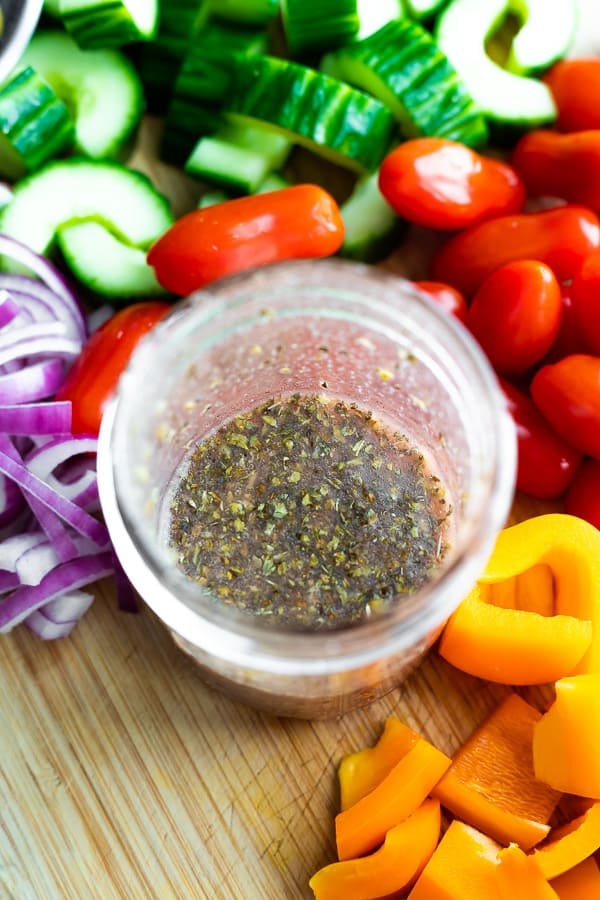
{"x":45,"y":460}
{"x":34,"y":297}
{"x":33,"y":565}
{"x":36,"y":418}
{"x":67,"y":577}
{"x":47,"y":630}
{"x":9,"y":310}
{"x":72,"y":514}
{"x":24,"y":521}
{"x":40,"y":266}
{"x":14,"y":547}
{"x":11,"y":501}
{"x":68,"y":607}
{"x":49,"y":345}
{"x":31,"y":383}
{"x":8,"y":581}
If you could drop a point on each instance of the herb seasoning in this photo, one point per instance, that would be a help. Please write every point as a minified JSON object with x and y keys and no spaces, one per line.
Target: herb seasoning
{"x":308,"y":511}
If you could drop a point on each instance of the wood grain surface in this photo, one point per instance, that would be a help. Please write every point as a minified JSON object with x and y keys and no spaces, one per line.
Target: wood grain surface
{"x":123,"y":776}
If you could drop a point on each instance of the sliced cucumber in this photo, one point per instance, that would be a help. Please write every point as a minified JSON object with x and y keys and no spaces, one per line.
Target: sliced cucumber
{"x":35,"y":124}
{"x":372,"y":229}
{"x":546,"y":36}
{"x":273,"y":182}
{"x":202,"y":84}
{"x":98,"y":24}
{"x":424,"y":9}
{"x":245,"y":12}
{"x":313,"y":26}
{"x":402,"y":65}
{"x":159,"y":60}
{"x":75,"y":190}
{"x":52,"y":8}
{"x":312,"y":109}
{"x":238,"y":158}
{"x":507,"y":99}
{"x":373,"y":16}
{"x":100,"y":87}
{"x":211,"y":198}
{"x":104,"y":264}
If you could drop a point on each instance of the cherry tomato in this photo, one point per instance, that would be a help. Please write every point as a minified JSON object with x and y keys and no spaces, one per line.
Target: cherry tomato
{"x":299,"y":222}
{"x":575,"y":86}
{"x":583,"y":498}
{"x":442,"y":184}
{"x":585,"y":292}
{"x":515,"y":315}
{"x":93,"y":378}
{"x":546,"y":463}
{"x":446,"y":297}
{"x":570,"y":338}
{"x":567,"y":393}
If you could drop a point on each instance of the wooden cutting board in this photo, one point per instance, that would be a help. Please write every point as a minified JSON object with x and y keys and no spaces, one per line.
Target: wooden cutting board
{"x":123,"y":776}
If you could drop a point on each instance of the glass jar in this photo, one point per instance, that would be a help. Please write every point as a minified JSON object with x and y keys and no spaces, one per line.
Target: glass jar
{"x":332,"y":327}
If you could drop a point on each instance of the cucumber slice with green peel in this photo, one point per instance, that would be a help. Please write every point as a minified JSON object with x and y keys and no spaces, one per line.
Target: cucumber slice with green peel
{"x":125,"y":202}
{"x":104,"y":264}
{"x":312,"y":26}
{"x":52,"y":8}
{"x":424,"y":9}
{"x":374,"y":15}
{"x":245,"y":12}
{"x":546,"y":35}
{"x":35,"y":124}
{"x":100,"y":87}
{"x":310,"y":108}
{"x":505,"y":98}
{"x":372,"y":229}
{"x":238,"y":158}
{"x":211,"y":198}
{"x":159,"y":60}
{"x":273,"y":182}
{"x":98,"y":24}
{"x":402,"y":65}
{"x":202,"y":84}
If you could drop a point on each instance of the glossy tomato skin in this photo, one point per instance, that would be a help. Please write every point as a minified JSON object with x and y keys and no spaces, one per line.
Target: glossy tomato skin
{"x":298,"y":222}
{"x":585,"y":294}
{"x":446,"y":297}
{"x":575,"y":86}
{"x":570,"y":338}
{"x":567,"y":393}
{"x":547,"y":464}
{"x":515,"y":315}
{"x":442,"y":184}
{"x":93,"y":378}
{"x":561,"y":238}
{"x":583,"y":497}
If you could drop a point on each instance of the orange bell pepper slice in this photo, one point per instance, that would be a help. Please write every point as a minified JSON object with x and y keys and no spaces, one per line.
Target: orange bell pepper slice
{"x":464,"y":867}
{"x":566,"y":740}
{"x":491,"y":784}
{"x":580,"y":883}
{"x":394,"y":867}
{"x":534,"y":615}
{"x":363,"y":826}
{"x":520,"y":879}
{"x":570,"y":844}
{"x":359,"y":773}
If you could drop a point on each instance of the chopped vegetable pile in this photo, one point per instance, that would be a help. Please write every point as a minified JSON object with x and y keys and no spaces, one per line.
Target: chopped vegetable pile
{"x":520,"y":774}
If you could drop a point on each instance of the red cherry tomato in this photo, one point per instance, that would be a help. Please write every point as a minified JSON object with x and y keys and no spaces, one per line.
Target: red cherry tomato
{"x":575,"y":86}
{"x":442,"y":184}
{"x":299,"y":222}
{"x":515,"y":315}
{"x":446,"y":297}
{"x":570,"y":338}
{"x":546,"y":463}
{"x":583,"y":498}
{"x":568,"y":395}
{"x":93,"y":378}
{"x":585,"y":293}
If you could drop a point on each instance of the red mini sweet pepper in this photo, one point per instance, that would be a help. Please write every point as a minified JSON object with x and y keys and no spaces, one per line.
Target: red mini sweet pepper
{"x":299,"y":222}
{"x":443,"y":184}
{"x":93,"y":378}
{"x":561,"y":165}
{"x":547,"y":464}
{"x":561,"y":238}
{"x":575,"y":86}
{"x":568,"y":395}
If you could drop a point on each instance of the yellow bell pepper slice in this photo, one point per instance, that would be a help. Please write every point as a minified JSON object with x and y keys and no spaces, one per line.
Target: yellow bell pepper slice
{"x":570,"y":844}
{"x":359,"y":773}
{"x":520,"y":879}
{"x":580,"y":883}
{"x":394,"y":867}
{"x":566,"y":740}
